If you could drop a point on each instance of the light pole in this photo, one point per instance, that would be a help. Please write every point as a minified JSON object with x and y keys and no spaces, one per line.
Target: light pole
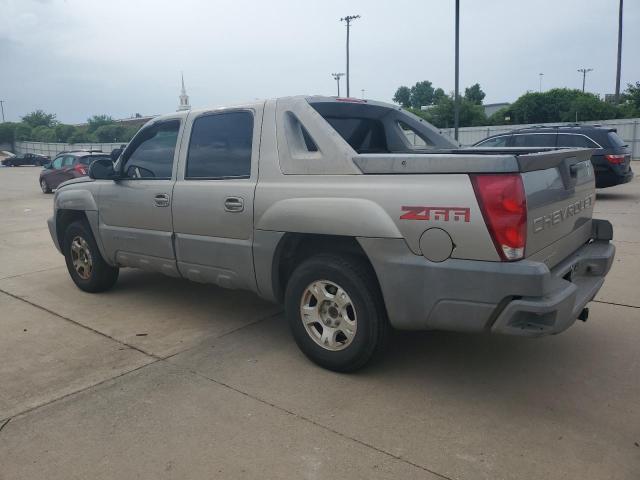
{"x":619,"y":53}
{"x":541,"y":75}
{"x":2,"y":108}
{"x":348,"y":19}
{"x":362,"y":90}
{"x":336,"y":77}
{"x":456,"y":106}
{"x":584,"y":72}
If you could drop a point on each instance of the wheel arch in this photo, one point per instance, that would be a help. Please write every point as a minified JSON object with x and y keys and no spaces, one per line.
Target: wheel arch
{"x":293,"y":248}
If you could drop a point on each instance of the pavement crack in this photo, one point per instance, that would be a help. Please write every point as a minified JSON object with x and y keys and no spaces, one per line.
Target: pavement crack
{"x":4,"y":424}
{"x":29,"y":273}
{"x":75,"y":322}
{"x":80,"y":390}
{"x":616,"y":304}
{"x":316,"y":423}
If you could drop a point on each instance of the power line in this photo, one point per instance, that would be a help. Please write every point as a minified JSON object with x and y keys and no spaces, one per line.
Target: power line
{"x":348,"y":19}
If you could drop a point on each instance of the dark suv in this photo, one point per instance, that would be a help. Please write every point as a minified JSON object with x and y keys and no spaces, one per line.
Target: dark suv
{"x":67,"y":165}
{"x":611,"y":159}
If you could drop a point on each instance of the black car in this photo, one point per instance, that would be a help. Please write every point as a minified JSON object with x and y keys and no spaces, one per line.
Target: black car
{"x":611,"y":159}
{"x":26,"y":159}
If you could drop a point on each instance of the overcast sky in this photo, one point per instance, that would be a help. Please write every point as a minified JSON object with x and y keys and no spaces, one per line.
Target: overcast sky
{"x":77,"y":58}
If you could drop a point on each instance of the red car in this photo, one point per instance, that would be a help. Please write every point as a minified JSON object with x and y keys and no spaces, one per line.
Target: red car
{"x":67,"y":165}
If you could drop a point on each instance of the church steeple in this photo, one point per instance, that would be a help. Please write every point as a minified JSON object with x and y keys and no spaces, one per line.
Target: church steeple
{"x":184,"y":98}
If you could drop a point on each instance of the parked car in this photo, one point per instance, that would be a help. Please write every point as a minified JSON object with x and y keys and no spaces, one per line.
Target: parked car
{"x":4,"y":155}
{"x":26,"y":159}
{"x":65,"y":166}
{"x":611,"y":158}
{"x":323,"y":204}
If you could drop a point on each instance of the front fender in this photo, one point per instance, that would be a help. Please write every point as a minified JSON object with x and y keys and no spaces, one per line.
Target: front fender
{"x":351,"y":217}
{"x":72,"y":199}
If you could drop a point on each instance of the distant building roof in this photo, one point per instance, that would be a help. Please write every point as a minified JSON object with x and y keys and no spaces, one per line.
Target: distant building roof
{"x":491,"y":108}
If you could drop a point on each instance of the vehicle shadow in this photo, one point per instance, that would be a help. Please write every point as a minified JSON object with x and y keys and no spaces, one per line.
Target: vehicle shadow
{"x":617,"y":196}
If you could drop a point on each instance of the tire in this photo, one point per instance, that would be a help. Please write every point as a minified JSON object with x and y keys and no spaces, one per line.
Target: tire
{"x":44,"y":186}
{"x":91,"y":273}
{"x":337,"y":352}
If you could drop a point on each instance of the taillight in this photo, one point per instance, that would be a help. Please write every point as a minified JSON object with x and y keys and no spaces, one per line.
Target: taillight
{"x":615,"y":159}
{"x":504,"y":208}
{"x":80,"y":168}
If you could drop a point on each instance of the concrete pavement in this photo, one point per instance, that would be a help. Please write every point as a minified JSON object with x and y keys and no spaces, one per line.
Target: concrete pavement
{"x":161,"y":378}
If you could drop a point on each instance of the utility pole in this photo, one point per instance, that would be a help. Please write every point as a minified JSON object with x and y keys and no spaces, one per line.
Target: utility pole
{"x":456,"y":106}
{"x":2,"y":108}
{"x":348,"y":19}
{"x":362,"y":90}
{"x":541,"y":75}
{"x":619,"y":53}
{"x":336,"y":77}
{"x":584,"y":72}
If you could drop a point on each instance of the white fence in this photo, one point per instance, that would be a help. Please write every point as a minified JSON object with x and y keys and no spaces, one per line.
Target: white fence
{"x":628,"y":130}
{"x":52,"y":149}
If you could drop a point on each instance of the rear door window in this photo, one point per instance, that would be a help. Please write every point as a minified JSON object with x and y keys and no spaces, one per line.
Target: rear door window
{"x":220,"y":146}
{"x":534,"y":140}
{"x":500,"y":141}
{"x":574,"y":140}
{"x":615,"y":140}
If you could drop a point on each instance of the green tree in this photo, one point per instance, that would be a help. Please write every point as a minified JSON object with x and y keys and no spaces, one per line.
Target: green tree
{"x":23,"y":131}
{"x":7,"y":132}
{"x":98,"y":121}
{"x":64,"y":132}
{"x":81,"y":135}
{"x":441,"y":114}
{"x":44,"y":134}
{"x":422,"y":94}
{"x":631,"y":98}
{"x":474,"y":94}
{"x":403,"y":96}
{"x":39,"y":118}
{"x":110,"y":133}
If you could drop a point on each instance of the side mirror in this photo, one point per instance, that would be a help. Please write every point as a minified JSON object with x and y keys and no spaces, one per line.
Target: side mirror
{"x":47,"y":166}
{"x":102,"y":169}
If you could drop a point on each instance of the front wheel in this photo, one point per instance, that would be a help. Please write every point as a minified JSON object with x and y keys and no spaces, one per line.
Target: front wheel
{"x":335,"y":311}
{"x":85,"y":264}
{"x":44,"y":186}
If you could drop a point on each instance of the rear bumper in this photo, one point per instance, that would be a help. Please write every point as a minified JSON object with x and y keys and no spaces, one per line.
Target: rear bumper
{"x":523,"y":298}
{"x":609,"y":178}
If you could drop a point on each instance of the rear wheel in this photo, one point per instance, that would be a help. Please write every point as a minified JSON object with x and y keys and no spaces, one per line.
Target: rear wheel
{"x":335,"y":311}
{"x":85,"y":264}
{"x":44,"y":186}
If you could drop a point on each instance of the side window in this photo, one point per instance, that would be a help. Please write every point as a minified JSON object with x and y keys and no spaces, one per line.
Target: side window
{"x":67,"y":161}
{"x":534,"y":140}
{"x":571,"y":140}
{"x":150,"y":154}
{"x":495,"y":142}
{"x":57,"y":163}
{"x":416,"y":140}
{"x":220,"y":146}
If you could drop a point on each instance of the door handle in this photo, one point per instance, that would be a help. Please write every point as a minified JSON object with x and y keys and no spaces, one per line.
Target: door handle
{"x":234,"y":204}
{"x":161,"y":200}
